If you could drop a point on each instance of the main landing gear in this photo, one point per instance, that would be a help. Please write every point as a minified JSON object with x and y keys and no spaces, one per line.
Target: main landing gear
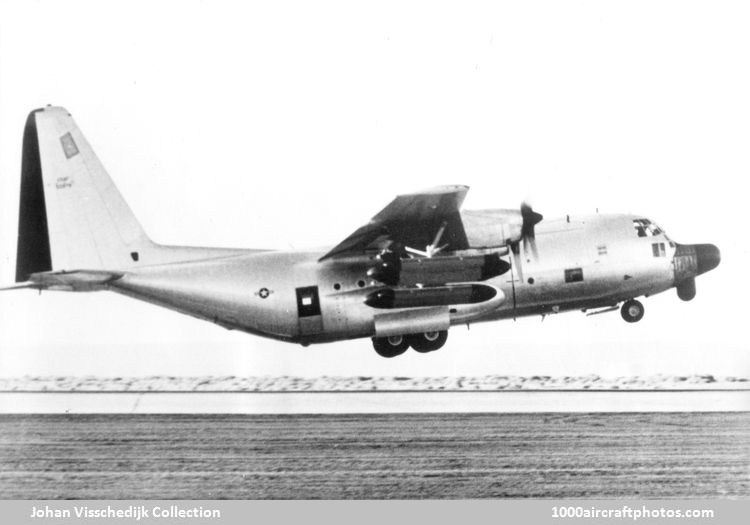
{"x":428,"y":341}
{"x":390,"y":346}
{"x":632,"y":311}
{"x":398,"y":344}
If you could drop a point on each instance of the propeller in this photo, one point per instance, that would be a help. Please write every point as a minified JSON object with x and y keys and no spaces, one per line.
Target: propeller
{"x":431,"y":249}
{"x":530,"y":219}
{"x":388,"y":269}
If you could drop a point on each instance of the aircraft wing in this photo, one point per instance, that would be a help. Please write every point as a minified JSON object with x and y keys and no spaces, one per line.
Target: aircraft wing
{"x":411,"y":220}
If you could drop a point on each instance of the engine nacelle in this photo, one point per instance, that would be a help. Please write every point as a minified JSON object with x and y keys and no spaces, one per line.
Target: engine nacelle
{"x":403,"y":321}
{"x":428,"y":271}
{"x":389,"y":298}
{"x":492,"y":228}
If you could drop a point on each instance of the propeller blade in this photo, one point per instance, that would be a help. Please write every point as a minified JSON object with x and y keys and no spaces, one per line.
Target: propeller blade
{"x":414,"y":251}
{"x":439,"y":234}
{"x":431,"y":249}
{"x":530,"y":219}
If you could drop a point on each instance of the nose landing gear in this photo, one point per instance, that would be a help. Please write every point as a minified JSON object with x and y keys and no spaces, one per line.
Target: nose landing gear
{"x":632,"y":311}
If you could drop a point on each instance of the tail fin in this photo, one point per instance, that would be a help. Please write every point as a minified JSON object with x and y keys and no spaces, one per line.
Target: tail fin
{"x":71,"y":214}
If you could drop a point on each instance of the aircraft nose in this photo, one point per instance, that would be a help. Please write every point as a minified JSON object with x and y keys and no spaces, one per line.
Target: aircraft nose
{"x":708,"y":257}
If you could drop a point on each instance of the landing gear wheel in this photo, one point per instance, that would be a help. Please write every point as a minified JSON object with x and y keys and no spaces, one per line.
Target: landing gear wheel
{"x":390,"y":346}
{"x":632,"y":311}
{"x":428,"y":341}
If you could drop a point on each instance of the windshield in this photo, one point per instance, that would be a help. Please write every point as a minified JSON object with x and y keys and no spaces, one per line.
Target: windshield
{"x":646,"y":228}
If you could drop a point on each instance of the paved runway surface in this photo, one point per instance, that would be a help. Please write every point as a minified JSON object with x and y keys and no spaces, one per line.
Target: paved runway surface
{"x":375,"y":456}
{"x":505,"y":401}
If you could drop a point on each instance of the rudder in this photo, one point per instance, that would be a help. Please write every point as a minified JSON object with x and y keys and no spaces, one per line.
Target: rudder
{"x":33,"y":253}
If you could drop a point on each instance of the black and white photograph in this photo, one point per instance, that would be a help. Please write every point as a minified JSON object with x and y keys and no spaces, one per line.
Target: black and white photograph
{"x":374,"y":251}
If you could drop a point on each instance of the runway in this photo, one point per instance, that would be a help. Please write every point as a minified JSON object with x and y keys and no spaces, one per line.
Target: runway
{"x":366,"y":456}
{"x":394,"y":402}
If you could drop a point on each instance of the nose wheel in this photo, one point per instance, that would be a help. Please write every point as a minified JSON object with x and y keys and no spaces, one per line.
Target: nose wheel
{"x":632,"y":311}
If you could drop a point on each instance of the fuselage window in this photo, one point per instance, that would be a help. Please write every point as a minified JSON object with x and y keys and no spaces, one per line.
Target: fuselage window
{"x":659,"y":249}
{"x":574,"y":275}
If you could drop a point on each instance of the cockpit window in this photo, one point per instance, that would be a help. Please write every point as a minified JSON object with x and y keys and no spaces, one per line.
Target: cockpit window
{"x":646,"y":228}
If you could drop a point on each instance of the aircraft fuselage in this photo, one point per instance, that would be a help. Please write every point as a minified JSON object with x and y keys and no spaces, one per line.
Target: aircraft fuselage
{"x":581,"y":262}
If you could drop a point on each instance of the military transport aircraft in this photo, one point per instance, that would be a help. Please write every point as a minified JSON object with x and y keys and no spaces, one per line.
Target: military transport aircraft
{"x":417,"y":268}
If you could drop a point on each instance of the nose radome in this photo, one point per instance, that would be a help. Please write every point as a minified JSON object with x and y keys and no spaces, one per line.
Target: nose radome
{"x":708,"y":257}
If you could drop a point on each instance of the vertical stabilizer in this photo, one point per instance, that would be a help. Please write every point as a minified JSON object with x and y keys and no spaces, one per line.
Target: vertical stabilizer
{"x":71,"y":214}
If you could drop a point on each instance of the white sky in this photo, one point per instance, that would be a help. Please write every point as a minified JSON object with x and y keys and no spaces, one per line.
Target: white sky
{"x":279,"y":124}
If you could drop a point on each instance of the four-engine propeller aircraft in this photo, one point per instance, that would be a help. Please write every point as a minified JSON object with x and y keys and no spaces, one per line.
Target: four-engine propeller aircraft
{"x":418,"y":267}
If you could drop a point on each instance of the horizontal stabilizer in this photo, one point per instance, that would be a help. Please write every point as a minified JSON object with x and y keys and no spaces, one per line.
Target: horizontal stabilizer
{"x":78,"y":280}
{"x":19,"y":286}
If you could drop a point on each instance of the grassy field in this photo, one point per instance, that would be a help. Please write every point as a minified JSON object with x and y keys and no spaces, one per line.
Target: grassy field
{"x":654,"y":455}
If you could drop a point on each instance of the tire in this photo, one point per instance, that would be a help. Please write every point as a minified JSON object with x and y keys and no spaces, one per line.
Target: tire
{"x":390,"y":346}
{"x":428,"y":341}
{"x":632,"y":311}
